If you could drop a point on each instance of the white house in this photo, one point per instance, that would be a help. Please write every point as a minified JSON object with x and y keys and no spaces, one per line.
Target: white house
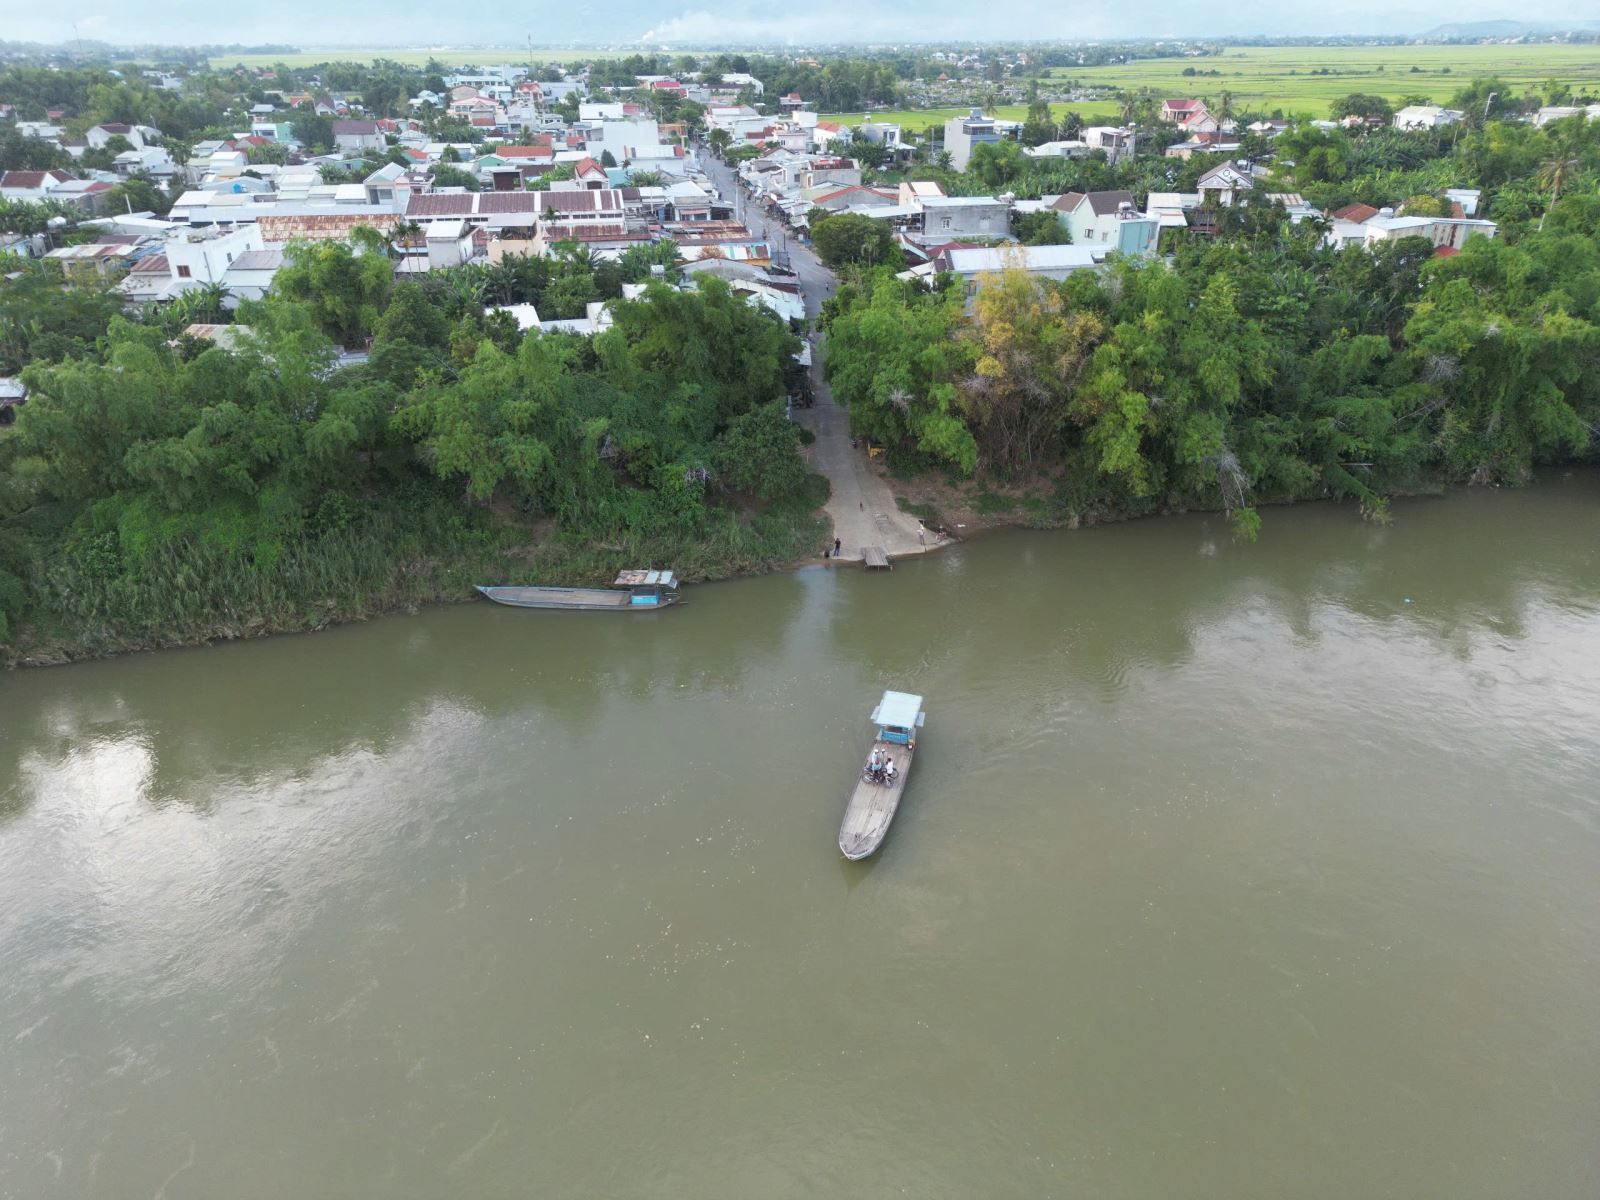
{"x":623,"y":137}
{"x":449,"y":243}
{"x":150,"y":160}
{"x":99,"y":135}
{"x":249,"y":276}
{"x":1560,"y":112}
{"x":205,"y":255}
{"x":1191,"y":116}
{"x":31,"y":186}
{"x":1223,"y":184}
{"x":738,"y":81}
{"x":1449,"y":233}
{"x":973,"y":265}
{"x":755,"y":285}
{"x":1107,"y":221}
{"x":1425,"y":116}
{"x":594,"y":110}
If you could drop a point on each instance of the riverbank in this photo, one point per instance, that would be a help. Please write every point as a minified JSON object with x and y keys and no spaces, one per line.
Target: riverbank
{"x":385,"y":562}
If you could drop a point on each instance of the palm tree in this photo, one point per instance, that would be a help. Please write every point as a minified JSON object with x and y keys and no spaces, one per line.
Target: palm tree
{"x":208,"y":301}
{"x":1557,"y":172}
{"x":500,"y":282}
{"x":1225,"y":107}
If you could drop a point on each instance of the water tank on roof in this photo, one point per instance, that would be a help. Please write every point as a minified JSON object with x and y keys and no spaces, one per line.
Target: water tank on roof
{"x":238,"y":188}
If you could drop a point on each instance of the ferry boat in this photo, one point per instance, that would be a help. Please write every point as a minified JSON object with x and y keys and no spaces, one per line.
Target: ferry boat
{"x":633,"y":591}
{"x":872,"y":806}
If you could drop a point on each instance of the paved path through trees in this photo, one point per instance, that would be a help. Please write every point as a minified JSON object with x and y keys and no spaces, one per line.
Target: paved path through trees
{"x":860,"y":504}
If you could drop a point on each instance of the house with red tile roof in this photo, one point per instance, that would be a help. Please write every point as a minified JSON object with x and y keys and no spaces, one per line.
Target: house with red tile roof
{"x":590,"y":174}
{"x":1191,"y":116}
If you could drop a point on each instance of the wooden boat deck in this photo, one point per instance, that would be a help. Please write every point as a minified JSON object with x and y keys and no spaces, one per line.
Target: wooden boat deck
{"x":875,"y":559}
{"x":872,"y":806}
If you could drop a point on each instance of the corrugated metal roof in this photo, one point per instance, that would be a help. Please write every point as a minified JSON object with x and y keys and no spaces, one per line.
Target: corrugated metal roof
{"x":508,"y":202}
{"x":321,"y":227}
{"x":440,"y":204}
{"x":258,"y":260}
{"x":899,"y":709}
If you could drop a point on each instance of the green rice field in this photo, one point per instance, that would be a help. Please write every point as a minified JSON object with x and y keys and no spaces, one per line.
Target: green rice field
{"x":1264,"y":78}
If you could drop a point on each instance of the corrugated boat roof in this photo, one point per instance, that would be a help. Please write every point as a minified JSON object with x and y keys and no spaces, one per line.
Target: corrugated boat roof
{"x":899,"y":709}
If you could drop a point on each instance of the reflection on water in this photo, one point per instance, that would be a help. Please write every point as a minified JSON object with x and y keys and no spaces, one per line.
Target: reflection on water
{"x":1227,"y":870}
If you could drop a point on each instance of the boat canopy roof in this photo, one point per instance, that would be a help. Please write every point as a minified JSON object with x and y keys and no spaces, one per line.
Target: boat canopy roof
{"x":900,"y":709}
{"x":665,"y":579}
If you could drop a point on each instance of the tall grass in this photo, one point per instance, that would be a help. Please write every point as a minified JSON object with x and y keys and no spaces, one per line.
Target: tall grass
{"x":91,"y":598}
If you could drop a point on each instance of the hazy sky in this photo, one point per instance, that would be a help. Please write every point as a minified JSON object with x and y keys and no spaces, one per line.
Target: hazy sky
{"x":315,"y":23}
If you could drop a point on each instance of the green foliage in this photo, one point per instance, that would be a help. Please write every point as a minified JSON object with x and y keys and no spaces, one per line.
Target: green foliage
{"x":556,"y":174}
{"x":756,"y":454}
{"x":447,"y":176}
{"x":1260,"y":367}
{"x":43,"y":319}
{"x":1040,"y":229}
{"x":892,"y":359}
{"x":851,"y":239}
{"x":19,"y":152}
{"x":994,"y":165}
{"x":1359,"y":104}
{"x":342,"y":289}
{"x":153,"y":493}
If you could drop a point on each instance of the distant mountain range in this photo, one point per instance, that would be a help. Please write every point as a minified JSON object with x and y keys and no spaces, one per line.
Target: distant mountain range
{"x":1506,"y":29}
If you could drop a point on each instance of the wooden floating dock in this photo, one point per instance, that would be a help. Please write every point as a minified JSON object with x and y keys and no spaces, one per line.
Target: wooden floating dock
{"x":875,"y":559}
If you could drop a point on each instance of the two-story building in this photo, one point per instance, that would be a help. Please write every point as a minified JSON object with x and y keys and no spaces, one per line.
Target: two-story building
{"x":963,"y":218}
{"x":1189,"y":115}
{"x":1223,"y":184}
{"x":962,"y":134}
{"x":1107,"y":220}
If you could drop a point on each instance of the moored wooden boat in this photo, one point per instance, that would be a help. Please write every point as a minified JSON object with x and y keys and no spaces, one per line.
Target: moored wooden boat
{"x":873,"y":804}
{"x":632,"y":591}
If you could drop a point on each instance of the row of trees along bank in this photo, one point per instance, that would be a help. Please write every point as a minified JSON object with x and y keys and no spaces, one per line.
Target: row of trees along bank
{"x":1259,"y":367}
{"x":159,"y":490}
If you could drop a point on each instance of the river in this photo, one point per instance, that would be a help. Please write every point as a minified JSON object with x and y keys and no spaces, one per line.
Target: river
{"x":1225,"y":871}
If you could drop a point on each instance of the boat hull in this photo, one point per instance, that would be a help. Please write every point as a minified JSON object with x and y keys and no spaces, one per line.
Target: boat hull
{"x":873,"y":806}
{"x":577,"y":599}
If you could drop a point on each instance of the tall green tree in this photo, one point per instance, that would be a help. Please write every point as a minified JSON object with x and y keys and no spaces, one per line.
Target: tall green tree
{"x":343,"y":289}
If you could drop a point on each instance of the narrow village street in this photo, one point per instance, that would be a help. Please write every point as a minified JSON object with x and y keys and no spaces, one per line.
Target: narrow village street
{"x":860,"y":504}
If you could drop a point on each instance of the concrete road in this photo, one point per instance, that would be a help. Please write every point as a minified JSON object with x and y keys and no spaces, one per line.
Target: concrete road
{"x":860,"y":505}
